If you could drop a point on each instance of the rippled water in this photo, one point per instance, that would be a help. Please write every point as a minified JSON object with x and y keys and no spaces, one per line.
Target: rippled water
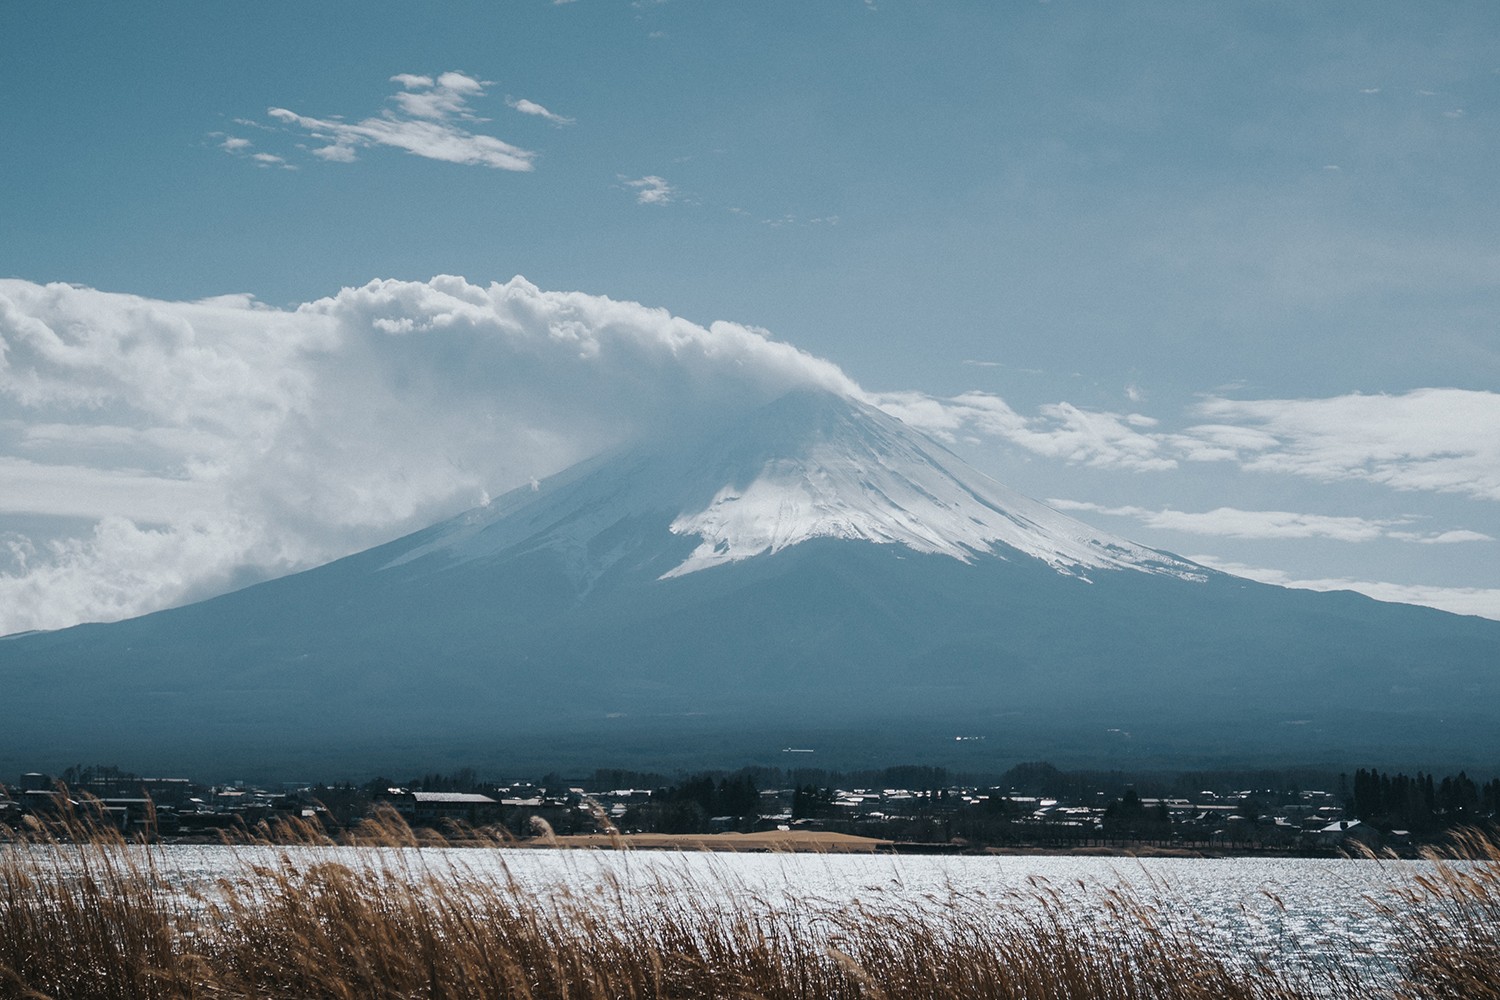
{"x":1288,"y":910}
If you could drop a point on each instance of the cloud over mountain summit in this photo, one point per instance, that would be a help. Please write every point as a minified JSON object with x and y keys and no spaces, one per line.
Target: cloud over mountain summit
{"x":237,"y":434}
{"x":155,"y":452}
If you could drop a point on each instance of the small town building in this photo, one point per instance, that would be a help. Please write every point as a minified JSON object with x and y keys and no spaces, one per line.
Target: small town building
{"x":428,"y":808}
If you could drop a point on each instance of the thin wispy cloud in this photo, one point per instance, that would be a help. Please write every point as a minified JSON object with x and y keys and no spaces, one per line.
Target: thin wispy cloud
{"x":651,"y":190}
{"x":242,"y":148}
{"x":430,"y":118}
{"x":1231,"y":522}
{"x":1063,"y":431}
{"x":1483,"y":602}
{"x":533,"y":108}
{"x":271,"y":160}
{"x":71,"y":490}
{"x":782,"y":221}
{"x":789,"y":219}
{"x":1435,"y":439}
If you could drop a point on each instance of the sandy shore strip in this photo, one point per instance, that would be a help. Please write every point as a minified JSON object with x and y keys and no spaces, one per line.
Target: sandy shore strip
{"x":772,"y":840}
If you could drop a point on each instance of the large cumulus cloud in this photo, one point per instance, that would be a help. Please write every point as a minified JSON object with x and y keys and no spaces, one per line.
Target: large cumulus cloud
{"x":244,"y":438}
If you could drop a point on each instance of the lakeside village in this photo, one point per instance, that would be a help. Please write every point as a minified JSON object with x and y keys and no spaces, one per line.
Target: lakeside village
{"x":910,"y":809}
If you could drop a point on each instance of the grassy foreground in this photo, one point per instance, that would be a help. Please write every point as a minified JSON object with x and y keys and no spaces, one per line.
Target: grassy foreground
{"x":103,"y":919}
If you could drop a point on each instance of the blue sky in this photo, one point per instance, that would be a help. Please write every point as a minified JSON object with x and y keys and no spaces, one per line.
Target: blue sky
{"x":1219,"y":277}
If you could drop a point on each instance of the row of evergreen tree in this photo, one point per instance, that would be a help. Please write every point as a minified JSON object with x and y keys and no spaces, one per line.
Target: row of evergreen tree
{"x":1422,"y":803}
{"x":731,"y":796}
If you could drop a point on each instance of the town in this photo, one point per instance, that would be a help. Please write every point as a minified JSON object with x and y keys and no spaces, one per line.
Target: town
{"x":900,"y":809}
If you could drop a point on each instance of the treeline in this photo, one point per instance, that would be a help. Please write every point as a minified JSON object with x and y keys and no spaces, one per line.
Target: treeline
{"x":1420,"y":803}
{"x":1423,"y":804}
{"x":697,"y":805}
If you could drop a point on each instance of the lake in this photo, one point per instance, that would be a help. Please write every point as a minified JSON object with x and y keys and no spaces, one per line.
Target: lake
{"x":1287,"y":910}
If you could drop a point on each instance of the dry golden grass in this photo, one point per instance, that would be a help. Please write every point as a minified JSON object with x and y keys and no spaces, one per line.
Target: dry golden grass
{"x":103,"y":919}
{"x":1451,"y":924}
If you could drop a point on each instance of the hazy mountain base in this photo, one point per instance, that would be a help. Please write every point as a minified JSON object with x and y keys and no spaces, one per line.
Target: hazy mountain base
{"x":868,"y":654}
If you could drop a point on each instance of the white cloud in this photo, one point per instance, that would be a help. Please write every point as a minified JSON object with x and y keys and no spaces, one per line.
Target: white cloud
{"x":121,"y":569}
{"x":441,"y":100}
{"x":68,"y":490}
{"x":1480,"y":601}
{"x":1059,"y":430}
{"x":651,"y":190}
{"x":271,"y":160}
{"x":1230,"y":522}
{"x":533,"y":108}
{"x":430,"y":118}
{"x":234,"y":144}
{"x":1448,"y":537}
{"x":1443,"y":440}
{"x":336,"y":153}
{"x":222,"y":436}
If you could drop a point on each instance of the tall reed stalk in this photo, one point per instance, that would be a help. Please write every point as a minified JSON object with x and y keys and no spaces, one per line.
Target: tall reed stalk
{"x":1450,"y":920}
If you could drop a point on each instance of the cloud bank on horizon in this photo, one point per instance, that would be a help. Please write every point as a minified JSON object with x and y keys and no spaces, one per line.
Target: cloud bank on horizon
{"x":177,"y":449}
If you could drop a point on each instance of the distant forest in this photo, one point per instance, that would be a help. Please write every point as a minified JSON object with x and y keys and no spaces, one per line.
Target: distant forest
{"x":1422,"y":804}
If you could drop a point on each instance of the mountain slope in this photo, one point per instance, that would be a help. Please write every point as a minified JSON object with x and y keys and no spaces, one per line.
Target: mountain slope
{"x":723,"y":595}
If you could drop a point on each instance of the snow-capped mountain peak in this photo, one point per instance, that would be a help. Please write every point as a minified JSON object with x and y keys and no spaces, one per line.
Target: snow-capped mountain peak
{"x":853,"y":472}
{"x":809,"y":465}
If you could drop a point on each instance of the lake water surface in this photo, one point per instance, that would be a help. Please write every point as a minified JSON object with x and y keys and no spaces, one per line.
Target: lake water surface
{"x":1285,"y":910}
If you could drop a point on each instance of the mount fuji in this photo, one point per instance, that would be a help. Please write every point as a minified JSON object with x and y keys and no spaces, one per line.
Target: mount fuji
{"x":815,"y":575}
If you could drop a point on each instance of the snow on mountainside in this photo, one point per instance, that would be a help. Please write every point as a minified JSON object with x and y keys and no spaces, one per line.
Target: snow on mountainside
{"x":810,"y":465}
